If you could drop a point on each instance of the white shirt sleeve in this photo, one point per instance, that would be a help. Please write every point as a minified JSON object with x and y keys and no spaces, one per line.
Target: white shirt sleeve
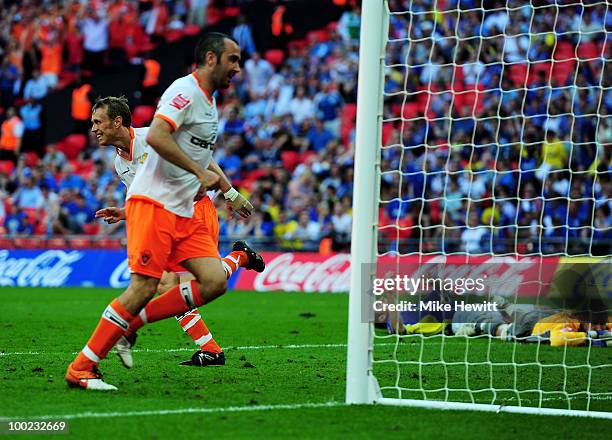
{"x":174,"y":106}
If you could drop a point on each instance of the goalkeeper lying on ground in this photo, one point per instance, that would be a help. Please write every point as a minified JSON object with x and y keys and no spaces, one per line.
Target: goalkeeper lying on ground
{"x":530,"y":323}
{"x":512,"y":322}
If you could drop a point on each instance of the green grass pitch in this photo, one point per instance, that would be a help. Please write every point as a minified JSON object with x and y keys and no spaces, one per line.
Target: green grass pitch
{"x":284,"y":351}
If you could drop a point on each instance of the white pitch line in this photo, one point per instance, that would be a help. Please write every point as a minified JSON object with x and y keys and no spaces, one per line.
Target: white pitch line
{"x":403,"y":344}
{"x":230,"y":409}
{"x":165,"y":412}
{"x":172,"y":350}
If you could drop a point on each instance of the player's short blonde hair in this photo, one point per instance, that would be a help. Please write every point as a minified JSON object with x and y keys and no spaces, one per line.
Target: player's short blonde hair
{"x":115,"y":106}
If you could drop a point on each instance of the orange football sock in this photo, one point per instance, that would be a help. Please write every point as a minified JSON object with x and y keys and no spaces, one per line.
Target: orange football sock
{"x":194,"y":326}
{"x":233,"y":261}
{"x":176,"y":301}
{"x":135,"y":324}
{"x":114,"y":322}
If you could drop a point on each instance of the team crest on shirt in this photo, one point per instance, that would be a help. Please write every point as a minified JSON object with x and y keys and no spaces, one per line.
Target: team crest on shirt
{"x":179,"y":102}
{"x":145,"y":257}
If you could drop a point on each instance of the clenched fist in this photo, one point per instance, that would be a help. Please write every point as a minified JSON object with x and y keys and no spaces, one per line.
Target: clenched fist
{"x":237,"y":202}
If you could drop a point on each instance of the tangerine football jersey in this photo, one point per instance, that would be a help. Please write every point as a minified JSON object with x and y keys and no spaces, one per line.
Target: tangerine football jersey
{"x":126,"y":164}
{"x":186,"y":106}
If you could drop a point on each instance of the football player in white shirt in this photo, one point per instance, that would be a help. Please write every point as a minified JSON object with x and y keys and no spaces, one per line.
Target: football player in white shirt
{"x":161,"y":227}
{"x":111,"y":124}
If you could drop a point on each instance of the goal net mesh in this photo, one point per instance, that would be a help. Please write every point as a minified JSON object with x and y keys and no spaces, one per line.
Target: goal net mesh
{"x":497,"y":144}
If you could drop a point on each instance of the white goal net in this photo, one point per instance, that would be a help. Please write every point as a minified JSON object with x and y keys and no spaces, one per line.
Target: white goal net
{"x":494,"y":166}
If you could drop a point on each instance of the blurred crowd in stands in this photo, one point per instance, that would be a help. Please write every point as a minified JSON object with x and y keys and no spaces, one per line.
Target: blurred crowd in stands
{"x":480,"y":150}
{"x":505,"y":117}
{"x":280,"y":132}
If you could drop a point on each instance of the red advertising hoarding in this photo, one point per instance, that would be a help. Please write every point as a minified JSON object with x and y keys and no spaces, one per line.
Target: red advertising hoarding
{"x":310,"y":272}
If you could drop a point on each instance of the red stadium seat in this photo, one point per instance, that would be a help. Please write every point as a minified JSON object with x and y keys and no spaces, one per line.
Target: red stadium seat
{"x":458,"y":81}
{"x":32,"y":214}
{"x":231,"y":11}
{"x":305,"y":156}
{"x":79,"y":243}
{"x":275,"y":57}
{"x":72,"y":145}
{"x":83,"y":168}
{"x":562,"y":70}
{"x":300,"y":45}
{"x":411,"y":110}
{"x":536,"y":68}
{"x":349,"y":112}
{"x":191,"y":29}
{"x":387,"y":131}
{"x":6,"y":167}
{"x":588,"y":51}
{"x":319,"y":35}
{"x":57,"y":243}
{"x":564,"y":51}
{"x":518,"y":74}
{"x":290,"y":159}
{"x":7,"y":243}
{"x":28,"y":243}
{"x":213,"y":16}
{"x":91,"y":228}
{"x":31,"y":159}
{"x":173,"y":35}
{"x":40,"y":228}
{"x":347,"y":122}
{"x":142,"y":115}
{"x":108,"y":243}
{"x":472,"y":99}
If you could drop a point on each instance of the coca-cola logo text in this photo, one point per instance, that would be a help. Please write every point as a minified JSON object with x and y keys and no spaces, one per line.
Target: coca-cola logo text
{"x":120,"y":278}
{"x":284,"y":272}
{"x":47,"y":269}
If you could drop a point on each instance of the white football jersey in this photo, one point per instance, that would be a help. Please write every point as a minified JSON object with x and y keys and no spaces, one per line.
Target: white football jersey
{"x":193,"y":115}
{"x":127,"y":164}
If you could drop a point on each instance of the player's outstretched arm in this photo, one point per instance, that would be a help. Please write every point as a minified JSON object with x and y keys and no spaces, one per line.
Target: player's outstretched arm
{"x":233,"y":199}
{"x":160,"y":139}
{"x":111,"y":214}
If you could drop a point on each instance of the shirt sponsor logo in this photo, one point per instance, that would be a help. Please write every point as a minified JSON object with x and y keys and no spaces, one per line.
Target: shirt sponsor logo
{"x":179,"y":102}
{"x":201,"y":143}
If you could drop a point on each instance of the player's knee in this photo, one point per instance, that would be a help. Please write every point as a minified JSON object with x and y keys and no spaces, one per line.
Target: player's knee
{"x":220,"y":285}
{"x":138,"y":294}
{"x":147,"y":289}
{"x":217,"y":286}
{"x":168,"y":281}
{"x":212,"y":288}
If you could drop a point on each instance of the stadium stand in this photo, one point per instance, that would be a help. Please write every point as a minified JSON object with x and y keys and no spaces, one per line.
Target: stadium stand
{"x":287,"y":128}
{"x":459,"y":101}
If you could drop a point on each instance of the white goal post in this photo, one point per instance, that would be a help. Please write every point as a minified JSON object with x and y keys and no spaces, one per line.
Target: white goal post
{"x":362,"y":384}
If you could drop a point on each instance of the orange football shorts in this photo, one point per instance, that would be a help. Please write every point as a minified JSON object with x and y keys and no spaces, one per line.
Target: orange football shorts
{"x":158,"y":239}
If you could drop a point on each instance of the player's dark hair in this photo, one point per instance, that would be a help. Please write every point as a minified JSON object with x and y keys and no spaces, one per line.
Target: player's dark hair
{"x":115,"y":106}
{"x":212,"y":42}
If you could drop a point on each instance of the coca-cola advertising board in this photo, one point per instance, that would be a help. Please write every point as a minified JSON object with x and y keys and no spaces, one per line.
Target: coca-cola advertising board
{"x":54,"y":268}
{"x":71,"y":268}
{"x":285,"y":271}
{"x":310,"y":272}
